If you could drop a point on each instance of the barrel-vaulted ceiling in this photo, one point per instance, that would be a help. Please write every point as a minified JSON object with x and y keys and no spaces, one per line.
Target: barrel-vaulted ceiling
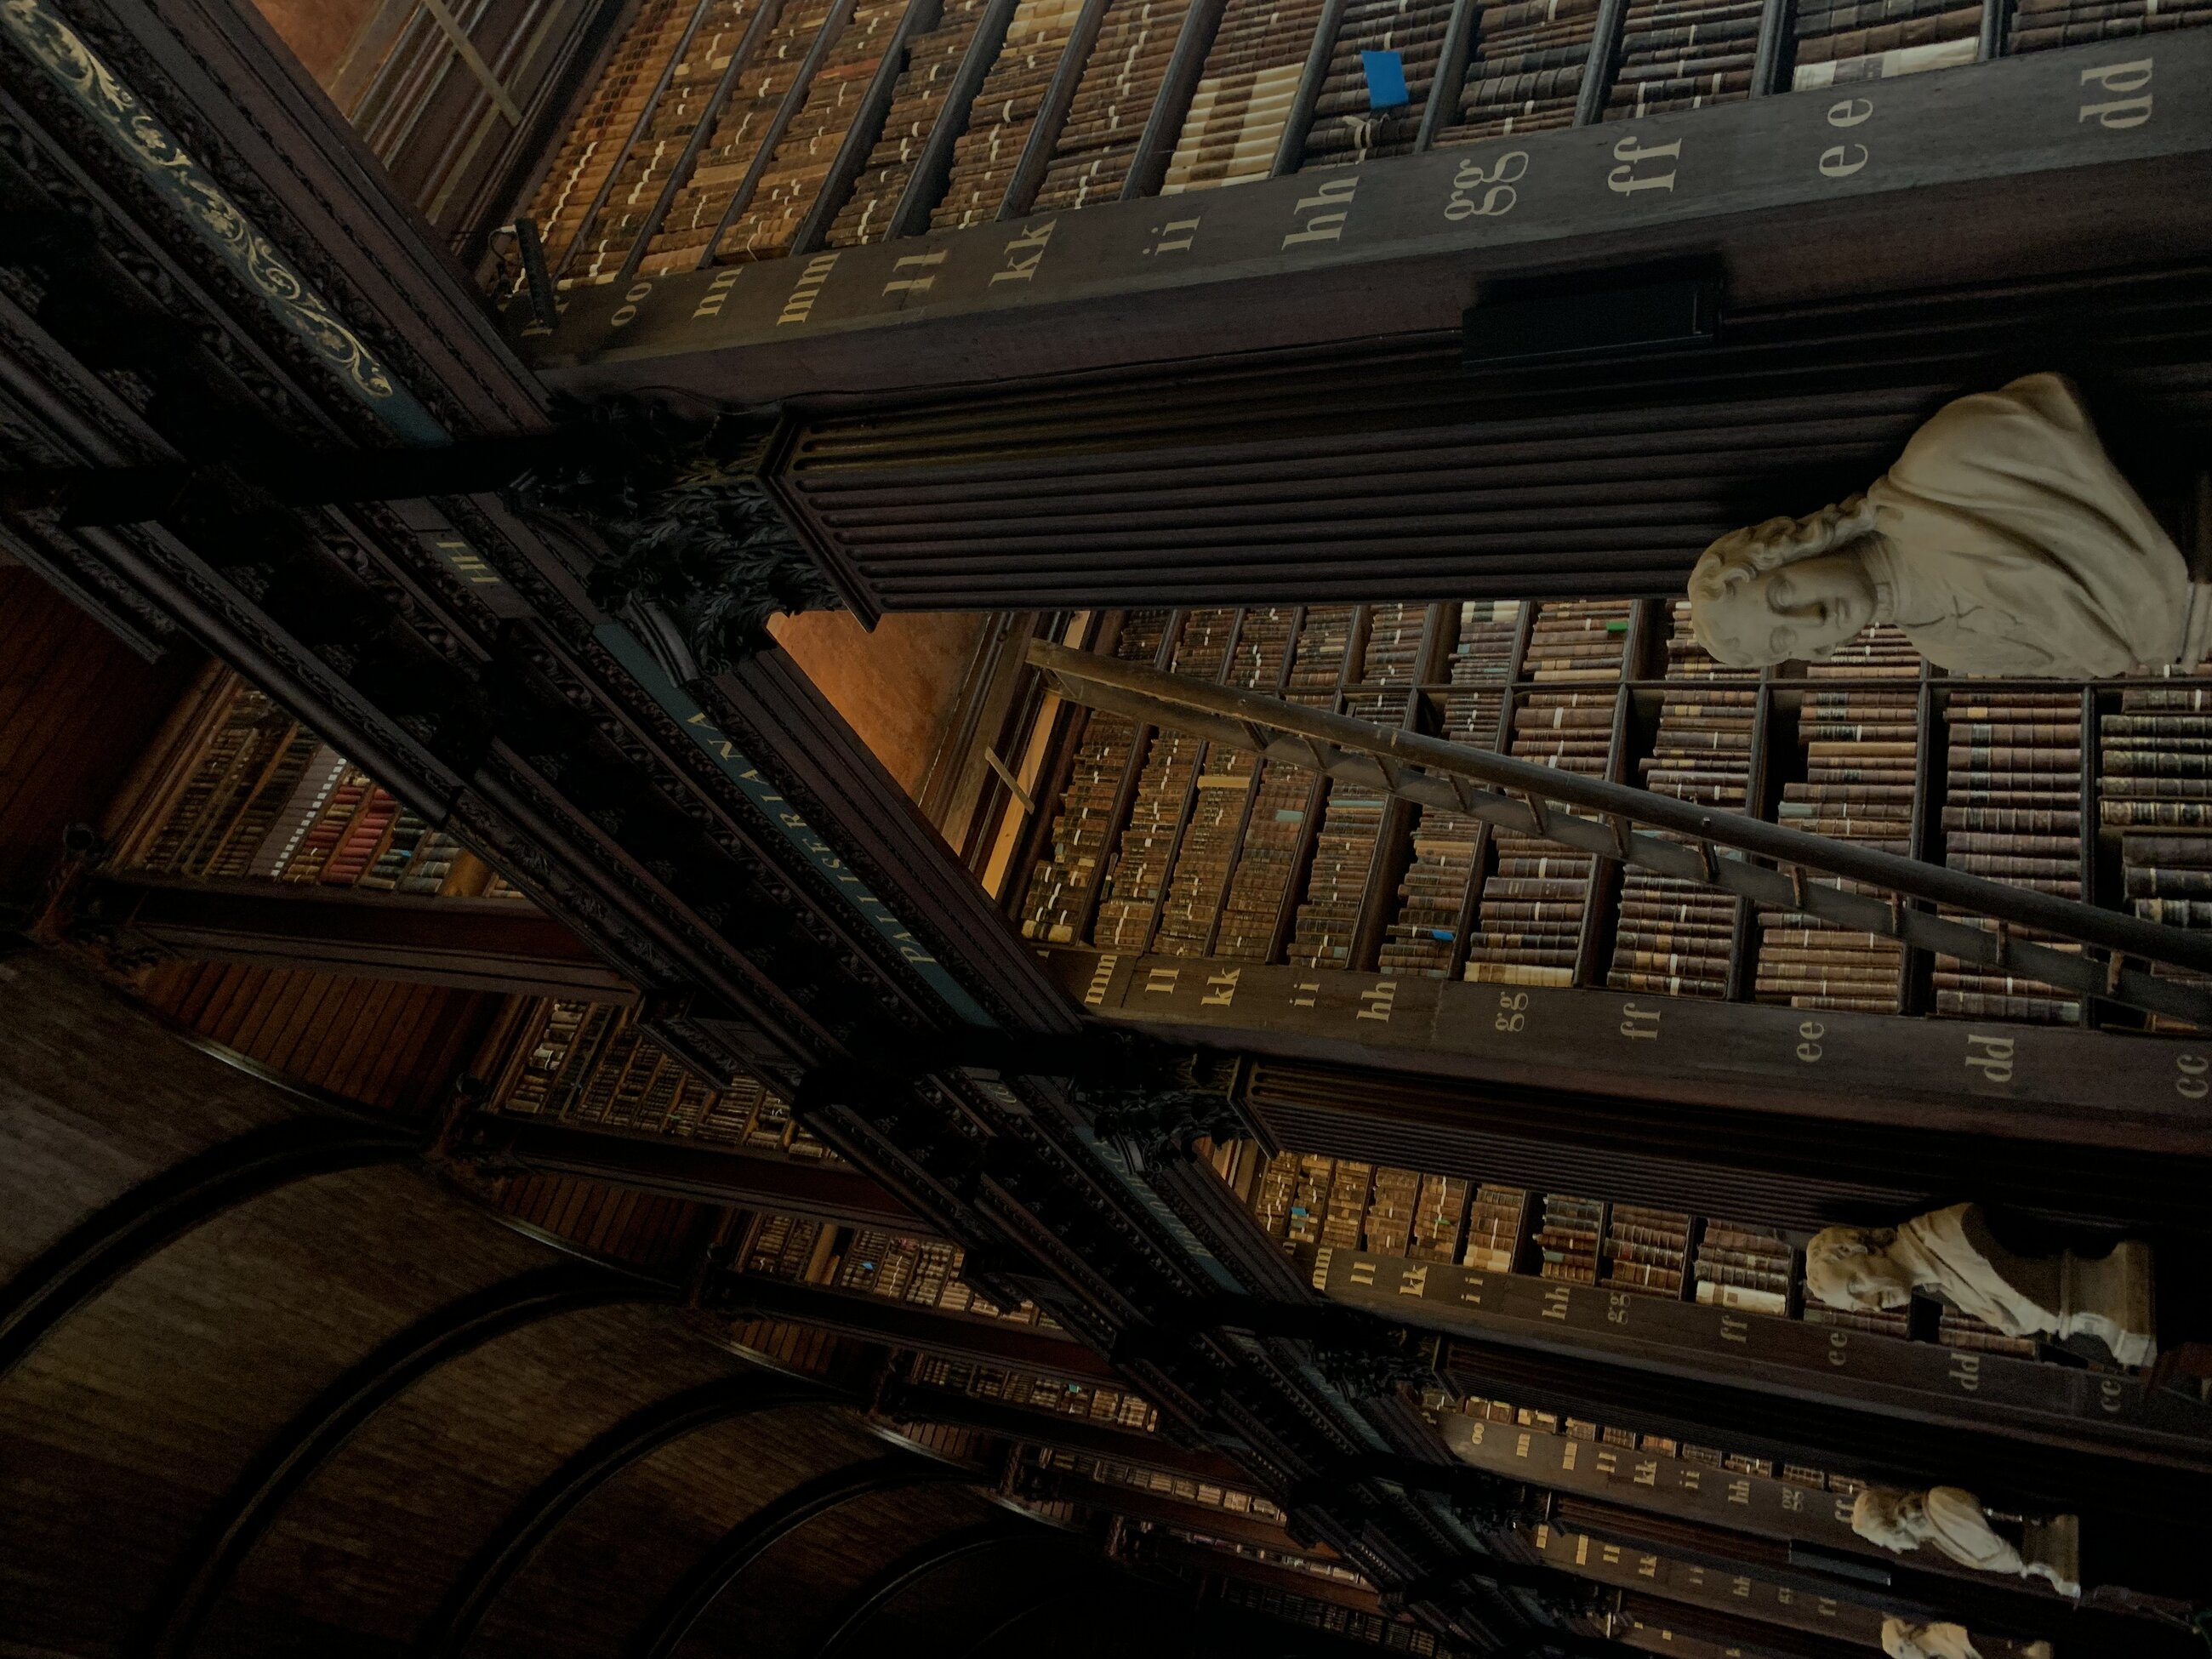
{"x":268,"y":1385}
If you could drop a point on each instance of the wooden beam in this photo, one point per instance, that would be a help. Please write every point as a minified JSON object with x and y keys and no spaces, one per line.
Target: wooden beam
{"x":1059,"y":1432}
{"x":205,"y":1571}
{"x":158,"y":1212}
{"x":901,"y":1325}
{"x":1223,"y":1563}
{"x":2019,"y":1082}
{"x":1066,"y":1486}
{"x":678,"y":1168}
{"x":540,"y":1514}
{"x":663,"y":1632}
{"x":471,"y":943}
{"x":2030,"y":1400}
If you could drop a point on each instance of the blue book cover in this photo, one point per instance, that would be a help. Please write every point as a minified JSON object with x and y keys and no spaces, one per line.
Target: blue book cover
{"x":1386,"y":79}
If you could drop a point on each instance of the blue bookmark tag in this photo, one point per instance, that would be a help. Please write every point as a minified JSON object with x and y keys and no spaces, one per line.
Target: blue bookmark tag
{"x":1386,"y":79}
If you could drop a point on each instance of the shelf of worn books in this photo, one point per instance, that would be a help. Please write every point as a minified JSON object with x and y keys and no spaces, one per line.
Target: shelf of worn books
{"x":1287,"y":1597}
{"x":726,"y":133}
{"x":1854,"y":1615}
{"x":1724,"y":1493}
{"x":1161,"y":847}
{"x":1227,"y":1510}
{"x":1646,"y":1254}
{"x":234,"y":789}
{"x":590,"y":1066}
{"x":1010,"y":176}
{"x":1101,"y":1421}
{"x":889,"y":1285}
{"x":1307,"y":1586}
{"x":1572,"y":1288}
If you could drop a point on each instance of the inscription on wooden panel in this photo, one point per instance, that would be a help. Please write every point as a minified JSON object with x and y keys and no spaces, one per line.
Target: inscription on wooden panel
{"x":1921,"y":1379}
{"x":1663,"y":1485}
{"x":2092,"y":1086}
{"x":2045,"y":111}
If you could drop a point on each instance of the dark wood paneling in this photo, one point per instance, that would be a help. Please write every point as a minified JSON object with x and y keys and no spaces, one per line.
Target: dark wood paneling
{"x":76,"y":707}
{"x":383,"y":1043}
{"x":679,"y":1168}
{"x":646,"y":1230}
{"x":117,"y":1436}
{"x":261,"y":1309}
{"x":594,"y":1582}
{"x":79,"y":1146}
{"x":787,"y":1601}
{"x":461,"y":943}
{"x":500,"y":1420}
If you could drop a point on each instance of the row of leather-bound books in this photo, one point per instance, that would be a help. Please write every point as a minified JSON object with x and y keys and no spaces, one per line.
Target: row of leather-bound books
{"x":1346,"y":126}
{"x":1092,"y":1402}
{"x":1185,"y":1489}
{"x":698,"y":134}
{"x":918,"y":100}
{"x":1013,"y":94}
{"x":872,"y":1261}
{"x":238,"y":790}
{"x":1204,"y":854}
{"x":1061,"y":888}
{"x":1306,"y":1201}
{"x":2155,"y":793}
{"x":1840,"y":42}
{"x":1678,"y":938}
{"x":1530,"y":925}
{"x":1121,"y":77}
{"x":588,"y":1064}
{"x":1246,"y":88}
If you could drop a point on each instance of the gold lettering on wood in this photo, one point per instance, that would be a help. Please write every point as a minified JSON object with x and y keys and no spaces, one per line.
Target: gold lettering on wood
{"x":1167,"y":241}
{"x":2190,"y":1084}
{"x":1315,"y":226}
{"x":1636,"y":1021}
{"x":710,"y":302}
{"x":1101,"y":977}
{"x":914,"y":284}
{"x":1022,"y":254}
{"x":1631,"y":152}
{"x":801,"y":305}
{"x":2119,"y":112}
{"x":1496,"y":184}
{"x":1990,"y":1055}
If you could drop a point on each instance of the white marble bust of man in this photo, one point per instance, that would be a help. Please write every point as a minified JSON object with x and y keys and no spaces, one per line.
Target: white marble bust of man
{"x":1952,"y":1522}
{"x":1952,"y":1254}
{"x":2004,"y":541}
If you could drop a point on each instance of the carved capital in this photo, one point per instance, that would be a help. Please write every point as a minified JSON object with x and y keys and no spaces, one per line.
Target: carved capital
{"x":477,"y":1145}
{"x":1154,"y":1105}
{"x":1377,"y":1363}
{"x":701,"y":555}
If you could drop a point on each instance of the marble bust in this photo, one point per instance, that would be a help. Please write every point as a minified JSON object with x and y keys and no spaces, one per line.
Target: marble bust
{"x":2004,"y":541}
{"x":1903,"y":1639}
{"x":1951,"y":1253}
{"x":1952,"y":1522}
